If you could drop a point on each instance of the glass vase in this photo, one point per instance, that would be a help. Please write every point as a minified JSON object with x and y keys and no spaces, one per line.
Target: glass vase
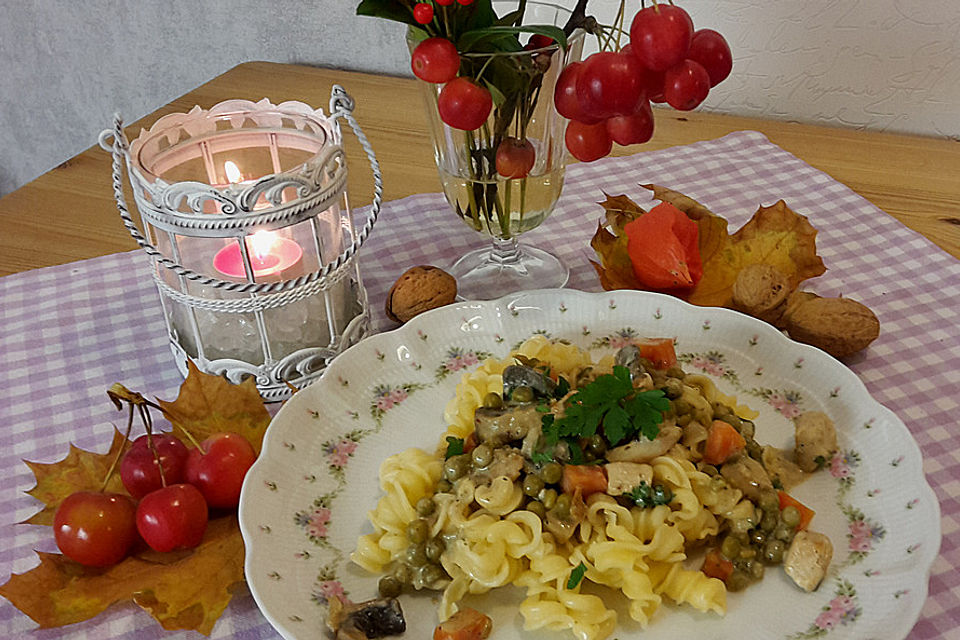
{"x":502,"y":207}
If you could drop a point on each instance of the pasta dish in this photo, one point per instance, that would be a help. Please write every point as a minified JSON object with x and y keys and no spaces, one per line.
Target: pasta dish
{"x":569,"y":478}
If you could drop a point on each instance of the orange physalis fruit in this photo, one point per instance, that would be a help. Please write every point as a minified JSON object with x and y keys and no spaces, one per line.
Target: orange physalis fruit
{"x":663,"y":248}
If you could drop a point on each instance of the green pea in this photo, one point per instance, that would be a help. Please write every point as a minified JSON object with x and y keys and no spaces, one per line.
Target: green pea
{"x":769,"y":501}
{"x":444,"y":486}
{"x":738,"y":581}
{"x":562,"y":506}
{"x":456,"y":467}
{"x":417,"y":531}
{"x":748,"y":553}
{"x":493,"y":400}
{"x":783,"y":532}
{"x":548,"y":497}
{"x":551,"y":472}
{"x":773,"y":551}
{"x":769,"y":521}
{"x":403,"y":574}
{"x":389,"y":587}
{"x":425,"y":506}
{"x":758,"y":537}
{"x":757,"y":570}
{"x":434,"y":549}
{"x":538,"y":508}
{"x":522,"y":394}
{"x":730,"y":548}
{"x":482,"y":455}
{"x":532,"y":485}
{"x":790,"y":516}
{"x":431,"y":573}
{"x":596,"y":445}
{"x":416,"y":555}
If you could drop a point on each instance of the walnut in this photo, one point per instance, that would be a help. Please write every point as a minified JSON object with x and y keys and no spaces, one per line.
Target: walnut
{"x":839,"y":326}
{"x":761,"y":290}
{"x":420,"y":289}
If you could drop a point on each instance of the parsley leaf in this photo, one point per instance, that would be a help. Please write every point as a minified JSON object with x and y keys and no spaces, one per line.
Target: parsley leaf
{"x":454,"y":447}
{"x":576,"y":576}
{"x":541,"y":457}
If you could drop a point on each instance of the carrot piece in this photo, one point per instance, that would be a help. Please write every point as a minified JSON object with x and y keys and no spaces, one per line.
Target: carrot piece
{"x":588,"y":478}
{"x":659,"y":351}
{"x":716,"y":566}
{"x":466,"y":624}
{"x":806,"y":513}
{"x":723,"y":441}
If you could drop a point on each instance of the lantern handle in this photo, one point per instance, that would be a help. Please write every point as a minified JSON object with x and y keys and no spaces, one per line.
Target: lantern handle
{"x":341,"y":106}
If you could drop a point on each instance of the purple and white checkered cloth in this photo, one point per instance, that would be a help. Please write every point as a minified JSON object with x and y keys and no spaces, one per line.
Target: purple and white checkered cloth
{"x":68,"y":332}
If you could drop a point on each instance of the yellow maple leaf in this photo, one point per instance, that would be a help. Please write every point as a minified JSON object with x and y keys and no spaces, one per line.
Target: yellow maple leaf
{"x":187,"y":589}
{"x":190,"y":593}
{"x":209,"y":404}
{"x":775,"y":235}
{"x":79,"y":471}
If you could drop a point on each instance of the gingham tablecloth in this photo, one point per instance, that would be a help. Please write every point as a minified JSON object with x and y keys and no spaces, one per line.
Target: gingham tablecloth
{"x":68,"y":332}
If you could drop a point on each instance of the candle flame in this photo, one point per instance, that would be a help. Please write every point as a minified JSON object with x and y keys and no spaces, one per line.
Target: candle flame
{"x":261,"y":242}
{"x":232,"y":171}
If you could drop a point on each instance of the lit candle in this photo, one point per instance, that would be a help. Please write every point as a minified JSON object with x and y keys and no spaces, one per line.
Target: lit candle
{"x":270,"y":255}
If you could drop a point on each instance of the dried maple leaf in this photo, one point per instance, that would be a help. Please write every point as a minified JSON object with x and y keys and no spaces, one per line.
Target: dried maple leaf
{"x":79,"y":471}
{"x":190,"y":593}
{"x":209,"y":404}
{"x":181,"y":590}
{"x":776,"y":236}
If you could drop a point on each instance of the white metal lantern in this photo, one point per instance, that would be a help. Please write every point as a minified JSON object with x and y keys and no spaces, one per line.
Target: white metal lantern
{"x":245,"y":214}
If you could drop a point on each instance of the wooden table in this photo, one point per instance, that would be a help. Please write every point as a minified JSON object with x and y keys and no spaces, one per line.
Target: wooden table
{"x":69,"y":214}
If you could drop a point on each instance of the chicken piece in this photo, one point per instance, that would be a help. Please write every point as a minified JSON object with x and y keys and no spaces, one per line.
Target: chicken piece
{"x":779,"y":466}
{"x":623,"y":477}
{"x":507,"y":462}
{"x":816,"y":440}
{"x":748,"y":475}
{"x":644,"y":450}
{"x":808,"y":558}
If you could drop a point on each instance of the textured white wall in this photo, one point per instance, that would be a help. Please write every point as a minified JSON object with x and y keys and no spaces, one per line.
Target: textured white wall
{"x":66,"y":66}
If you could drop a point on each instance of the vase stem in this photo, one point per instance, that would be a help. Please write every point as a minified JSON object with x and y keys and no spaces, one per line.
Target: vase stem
{"x":505,"y":252}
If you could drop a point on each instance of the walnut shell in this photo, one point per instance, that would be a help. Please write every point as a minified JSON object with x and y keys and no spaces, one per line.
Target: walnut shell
{"x":761,"y":290}
{"x":420,"y":289}
{"x":839,"y":326}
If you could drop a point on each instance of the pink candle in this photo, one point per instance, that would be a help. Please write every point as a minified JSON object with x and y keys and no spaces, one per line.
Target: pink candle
{"x":270,"y":255}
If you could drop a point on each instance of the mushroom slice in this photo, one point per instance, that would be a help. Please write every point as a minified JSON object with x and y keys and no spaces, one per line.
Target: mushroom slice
{"x":365,"y":620}
{"x":748,"y":475}
{"x":808,"y":558}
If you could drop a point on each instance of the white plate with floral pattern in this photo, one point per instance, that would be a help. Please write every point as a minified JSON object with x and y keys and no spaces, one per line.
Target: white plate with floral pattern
{"x":304,"y":502}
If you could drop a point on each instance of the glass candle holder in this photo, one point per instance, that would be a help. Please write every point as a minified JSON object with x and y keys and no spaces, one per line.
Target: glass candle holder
{"x":246,"y":217}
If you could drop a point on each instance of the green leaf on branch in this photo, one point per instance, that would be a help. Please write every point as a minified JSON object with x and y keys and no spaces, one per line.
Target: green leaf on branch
{"x":388,"y":9}
{"x":505,"y":36}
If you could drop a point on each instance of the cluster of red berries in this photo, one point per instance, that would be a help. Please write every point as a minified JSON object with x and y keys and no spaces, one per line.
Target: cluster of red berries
{"x":607,"y":96}
{"x":171,"y":490}
{"x":423,"y":11}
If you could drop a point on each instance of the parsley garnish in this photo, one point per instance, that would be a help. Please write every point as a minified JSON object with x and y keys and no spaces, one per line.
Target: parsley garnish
{"x":647,"y":497}
{"x":576,"y":576}
{"x":610,"y":402}
{"x":454,"y":447}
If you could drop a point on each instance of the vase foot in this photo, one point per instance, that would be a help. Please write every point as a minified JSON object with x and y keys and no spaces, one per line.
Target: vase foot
{"x":506,"y":267}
